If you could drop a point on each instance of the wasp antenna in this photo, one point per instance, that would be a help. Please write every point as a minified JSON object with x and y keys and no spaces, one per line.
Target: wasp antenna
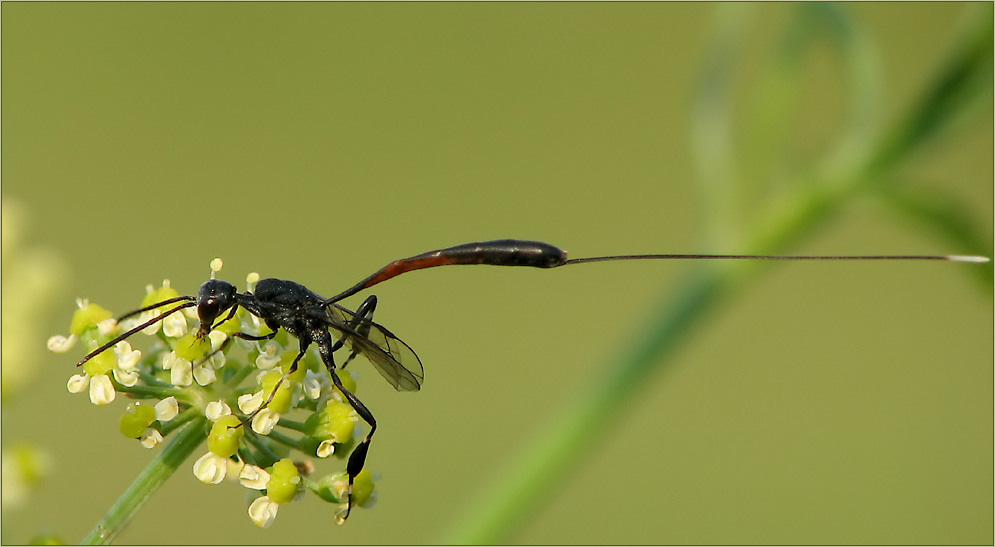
{"x":159,"y":305}
{"x":133,"y":330}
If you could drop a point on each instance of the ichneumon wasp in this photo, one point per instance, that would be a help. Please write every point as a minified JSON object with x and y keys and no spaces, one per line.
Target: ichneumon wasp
{"x":312,"y":319}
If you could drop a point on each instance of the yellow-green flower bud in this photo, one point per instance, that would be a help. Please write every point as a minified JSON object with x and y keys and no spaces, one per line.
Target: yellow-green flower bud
{"x":224,"y":437}
{"x":136,"y":420}
{"x":335,"y":422}
{"x":284,"y":481}
{"x":287,"y":359}
{"x":159,"y":295}
{"x":88,"y":316}
{"x":281,"y":399}
{"x":101,"y":363}
{"x":230,"y":326}
{"x":191,"y":348}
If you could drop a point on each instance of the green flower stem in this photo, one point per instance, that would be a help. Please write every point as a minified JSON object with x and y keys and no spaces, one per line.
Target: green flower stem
{"x":290,"y":442}
{"x":296,"y":425}
{"x":265,"y":448}
{"x":180,"y":420}
{"x":147,"y":392}
{"x":241,"y":374}
{"x":173,"y":454}
{"x":151,"y":380}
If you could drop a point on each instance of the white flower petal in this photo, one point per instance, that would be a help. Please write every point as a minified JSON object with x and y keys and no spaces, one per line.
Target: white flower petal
{"x":210,"y":468}
{"x":78,"y":382}
{"x":262,"y":511}
{"x":253,"y":477}
{"x":191,"y":314}
{"x":181,"y":371}
{"x":312,"y":384}
{"x":166,"y":409}
{"x":265,"y":421}
{"x":151,"y":438}
{"x":126,"y":378}
{"x":325,"y":449}
{"x":217,"y":338}
{"x":250,"y":402}
{"x":217,"y":360}
{"x":204,"y":374}
{"x":60,"y":343}
{"x":174,"y":326}
{"x":147,"y":316}
{"x":101,"y":390}
{"x":127,"y":358}
{"x":216,"y":409}
{"x":269,"y":357}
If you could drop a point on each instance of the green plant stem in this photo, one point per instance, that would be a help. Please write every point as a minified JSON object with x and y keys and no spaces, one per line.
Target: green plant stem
{"x":173,"y":454}
{"x":560,"y":442}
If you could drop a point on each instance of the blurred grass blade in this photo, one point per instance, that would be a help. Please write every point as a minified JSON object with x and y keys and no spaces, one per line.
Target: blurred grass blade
{"x":777,"y":99}
{"x":961,"y":81}
{"x":861,"y":76}
{"x":711,"y":129}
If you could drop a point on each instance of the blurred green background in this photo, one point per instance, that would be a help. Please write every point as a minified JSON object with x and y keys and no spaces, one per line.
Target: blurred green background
{"x":827,"y":403}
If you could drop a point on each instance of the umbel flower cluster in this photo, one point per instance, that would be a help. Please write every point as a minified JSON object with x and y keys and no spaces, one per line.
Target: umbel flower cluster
{"x":254,"y":414}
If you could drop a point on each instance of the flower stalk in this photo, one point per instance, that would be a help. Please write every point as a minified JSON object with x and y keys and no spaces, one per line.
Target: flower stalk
{"x":173,"y":454}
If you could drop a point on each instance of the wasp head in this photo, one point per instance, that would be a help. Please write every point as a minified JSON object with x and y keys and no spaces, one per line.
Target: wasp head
{"x":214,"y":298}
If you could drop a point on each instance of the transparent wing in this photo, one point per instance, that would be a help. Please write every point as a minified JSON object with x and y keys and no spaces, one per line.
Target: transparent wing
{"x":394,"y":359}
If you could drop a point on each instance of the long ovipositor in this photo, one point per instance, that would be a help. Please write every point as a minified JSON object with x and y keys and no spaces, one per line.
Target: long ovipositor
{"x":537,"y":254}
